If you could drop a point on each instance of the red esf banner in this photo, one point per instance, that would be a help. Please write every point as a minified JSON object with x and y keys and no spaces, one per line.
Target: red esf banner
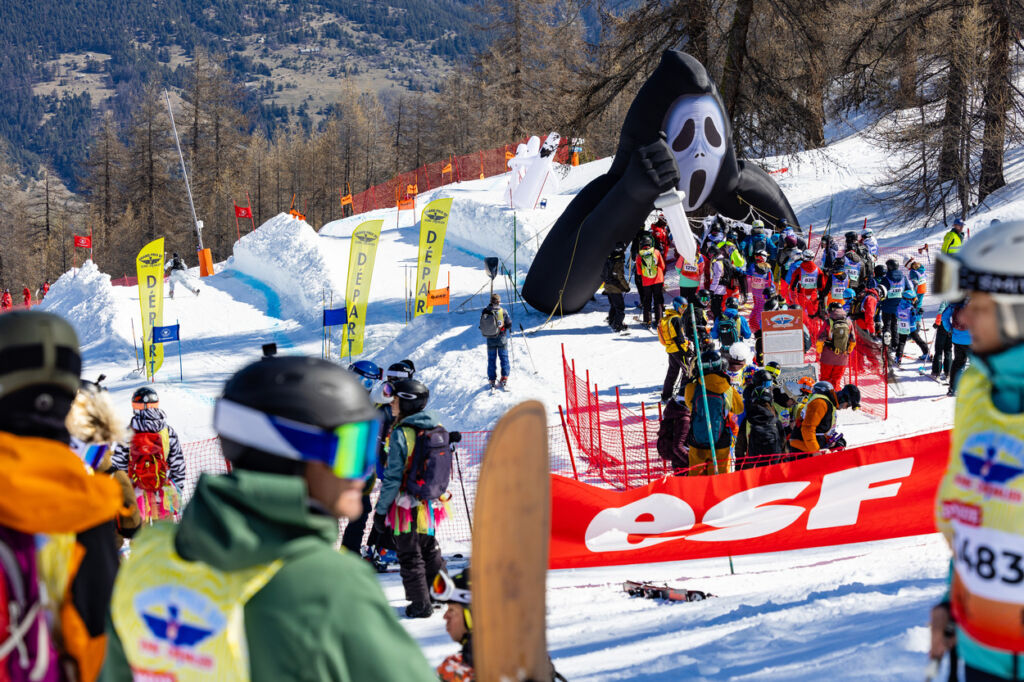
{"x":874,"y":492}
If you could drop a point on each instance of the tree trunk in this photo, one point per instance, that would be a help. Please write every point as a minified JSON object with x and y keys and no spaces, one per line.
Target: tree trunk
{"x":956,"y":105}
{"x":997,"y":100}
{"x":732,"y":71}
{"x":518,"y":127}
{"x":697,"y":30}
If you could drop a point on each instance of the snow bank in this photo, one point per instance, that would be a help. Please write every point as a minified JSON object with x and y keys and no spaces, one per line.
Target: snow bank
{"x":285,"y":254}
{"x":85,"y":297}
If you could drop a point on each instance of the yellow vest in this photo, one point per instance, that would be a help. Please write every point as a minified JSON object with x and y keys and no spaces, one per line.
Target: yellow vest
{"x":980,"y":511}
{"x":183,"y":620}
{"x":952,"y":242}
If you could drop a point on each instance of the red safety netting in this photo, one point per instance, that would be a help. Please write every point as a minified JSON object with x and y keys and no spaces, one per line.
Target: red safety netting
{"x":619,"y":445}
{"x":476,"y":166}
{"x":124,"y":281}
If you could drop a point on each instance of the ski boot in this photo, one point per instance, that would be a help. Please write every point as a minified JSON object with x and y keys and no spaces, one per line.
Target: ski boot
{"x":503,"y":383}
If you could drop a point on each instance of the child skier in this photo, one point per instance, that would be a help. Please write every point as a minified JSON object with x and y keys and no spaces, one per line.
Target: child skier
{"x":908,"y":318}
{"x":179,"y":274}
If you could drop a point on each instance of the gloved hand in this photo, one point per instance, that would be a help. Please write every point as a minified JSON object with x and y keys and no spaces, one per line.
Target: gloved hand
{"x":379,"y":524}
{"x":652,"y":170}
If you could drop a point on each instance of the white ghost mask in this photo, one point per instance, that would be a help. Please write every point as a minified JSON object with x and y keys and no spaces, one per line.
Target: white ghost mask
{"x":695,"y":127}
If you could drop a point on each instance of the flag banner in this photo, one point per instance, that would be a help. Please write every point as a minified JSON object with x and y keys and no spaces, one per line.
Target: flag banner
{"x":509,"y":156}
{"x":437,"y":297}
{"x":411,"y":190}
{"x":447,"y":168}
{"x":433,"y":226}
{"x":874,"y":492}
{"x":83,"y":242}
{"x":346,"y":200}
{"x":149,"y":265}
{"x":335,"y":316}
{"x":407,"y":204}
{"x":165,"y":334}
{"x":243,"y":212}
{"x":361,"y":256}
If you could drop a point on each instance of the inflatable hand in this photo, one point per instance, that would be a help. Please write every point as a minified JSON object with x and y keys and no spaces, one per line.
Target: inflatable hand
{"x":676,"y":133}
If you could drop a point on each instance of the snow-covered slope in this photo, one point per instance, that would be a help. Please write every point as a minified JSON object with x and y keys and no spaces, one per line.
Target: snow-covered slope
{"x":854,"y":612}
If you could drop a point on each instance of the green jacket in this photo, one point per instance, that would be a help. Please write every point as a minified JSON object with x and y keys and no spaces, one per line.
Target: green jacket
{"x":398,"y":452}
{"x":322,"y":616}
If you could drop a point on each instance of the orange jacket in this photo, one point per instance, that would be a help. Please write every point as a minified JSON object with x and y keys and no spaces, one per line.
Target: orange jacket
{"x":47,"y":490}
{"x":816,"y":421}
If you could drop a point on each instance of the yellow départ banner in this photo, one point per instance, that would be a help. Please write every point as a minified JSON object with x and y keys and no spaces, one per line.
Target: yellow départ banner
{"x":433,"y":225}
{"x":149,"y":265}
{"x":361,"y":256}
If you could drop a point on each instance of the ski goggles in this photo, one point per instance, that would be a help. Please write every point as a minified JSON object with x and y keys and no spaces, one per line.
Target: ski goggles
{"x":145,"y":406}
{"x":952,"y":280}
{"x":91,"y":454}
{"x":443,"y":589}
{"x":349,"y":450}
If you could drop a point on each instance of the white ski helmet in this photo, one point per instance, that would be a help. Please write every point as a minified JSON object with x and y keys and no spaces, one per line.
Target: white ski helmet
{"x":991,"y":262}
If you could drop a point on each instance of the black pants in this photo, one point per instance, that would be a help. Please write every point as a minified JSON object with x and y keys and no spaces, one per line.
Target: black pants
{"x":352,"y":538}
{"x":419,"y":561}
{"x":617,"y":312}
{"x":676,"y":366}
{"x":654,"y":302}
{"x":639,"y":291}
{"x":689,"y":293}
{"x":959,"y":362}
{"x":916,"y":337}
{"x":716,"y":305}
{"x":943,"y":351}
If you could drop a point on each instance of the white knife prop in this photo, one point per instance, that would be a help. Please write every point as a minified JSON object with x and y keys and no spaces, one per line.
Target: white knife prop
{"x":671,"y":204}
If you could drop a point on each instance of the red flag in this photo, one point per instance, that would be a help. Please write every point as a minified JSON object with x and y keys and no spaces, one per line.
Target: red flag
{"x":243,"y":212}
{"x":83,"y":242}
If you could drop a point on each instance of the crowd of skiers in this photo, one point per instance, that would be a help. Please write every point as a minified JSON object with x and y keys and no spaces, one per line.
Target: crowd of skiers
{"x":7,"y":299}
{"x":856,"y":307}
{"x":248,"y":584}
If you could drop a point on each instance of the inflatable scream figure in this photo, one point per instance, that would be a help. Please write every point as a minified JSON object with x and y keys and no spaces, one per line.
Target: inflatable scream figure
{"x":676,"y":135}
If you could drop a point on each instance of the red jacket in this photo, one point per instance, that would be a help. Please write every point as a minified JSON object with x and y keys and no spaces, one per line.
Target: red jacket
{"x":6,"y":301}
{"x":808,"y":270}
{"x":865,"y":316}
{"x":26,"y":294}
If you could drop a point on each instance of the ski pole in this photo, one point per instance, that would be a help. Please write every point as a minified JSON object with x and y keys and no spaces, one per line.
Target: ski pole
{"x":462,"y":484}
{"x":527,"y":346}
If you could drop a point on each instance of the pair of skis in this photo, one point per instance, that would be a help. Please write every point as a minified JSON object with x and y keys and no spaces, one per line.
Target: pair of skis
{"x":651,"y":591}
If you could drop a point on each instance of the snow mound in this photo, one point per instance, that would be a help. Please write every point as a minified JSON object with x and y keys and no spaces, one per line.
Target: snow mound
{"x":285,"y":254}
{"x":85,"y":298}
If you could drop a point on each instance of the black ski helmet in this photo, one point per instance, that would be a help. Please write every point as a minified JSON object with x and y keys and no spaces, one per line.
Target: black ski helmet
{"x":174,"y":255}
{"x":412,"y":396}
{"x":849,"y":394}
{"x":145,"y":397}
{"x":38,"y":349}
{"x":711,"y":361}
{"x":398,"y":371}
{"x":892,"y":265}
{"x":408,"y":363}
{"x":306,"y":390}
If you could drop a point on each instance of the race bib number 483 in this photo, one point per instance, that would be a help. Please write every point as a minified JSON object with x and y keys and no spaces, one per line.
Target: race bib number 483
{"x":990,"y":562}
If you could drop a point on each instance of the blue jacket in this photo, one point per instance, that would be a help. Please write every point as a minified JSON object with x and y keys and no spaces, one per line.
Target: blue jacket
{"x":732,"y":313}
{"x":960,"y":336}
{"x":912,"y":313}
{"x":895,"y":284}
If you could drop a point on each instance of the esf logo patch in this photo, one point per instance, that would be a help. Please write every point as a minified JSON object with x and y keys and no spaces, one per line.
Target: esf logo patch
{"x":365,"y":237}
{"x":151,"y":259}
{"x":437,"y":215}
{"x":783,"y":319}
{"x":991,"y":462}
{"x":178,"y":621}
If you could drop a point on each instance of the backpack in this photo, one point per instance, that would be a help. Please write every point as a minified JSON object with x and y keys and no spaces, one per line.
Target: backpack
{"x":490,"y":322}
{"x":728,"y":331}
{"x":147,"y":461}
{"x":648,"y":264}
{"x":699,"y":421}
{"x":22,"y":615}
{"x":666,"y":333}
{"x":839,"y":333}
{"x":428,"y":467}
{"x":956,"y":320}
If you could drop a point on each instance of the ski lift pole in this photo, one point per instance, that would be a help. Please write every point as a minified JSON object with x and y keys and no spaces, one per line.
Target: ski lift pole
{"x":188,"y":188}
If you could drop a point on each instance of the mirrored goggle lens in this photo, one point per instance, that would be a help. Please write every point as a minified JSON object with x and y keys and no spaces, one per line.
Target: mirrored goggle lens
{"x":946,"y":277}
{"x":443,"y":589}
{"x":91,"y":454}
{"x":388,"y":389}
{"x":349,"y":450}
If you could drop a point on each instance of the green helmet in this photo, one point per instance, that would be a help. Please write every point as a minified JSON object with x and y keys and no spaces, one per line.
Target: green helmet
{"x":38,"y":349}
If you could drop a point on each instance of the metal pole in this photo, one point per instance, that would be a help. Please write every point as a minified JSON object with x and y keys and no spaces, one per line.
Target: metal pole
{"x":138,"y":365}
{"x":600,"y":441}
{"x":590,"y":419}
{"x":465,"y":500}
{"x":181,"y":372}
{"x":647,"y":447}
{"x":177,"y":143}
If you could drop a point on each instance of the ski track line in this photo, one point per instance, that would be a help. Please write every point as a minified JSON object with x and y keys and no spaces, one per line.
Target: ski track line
{"x":273,"y":310}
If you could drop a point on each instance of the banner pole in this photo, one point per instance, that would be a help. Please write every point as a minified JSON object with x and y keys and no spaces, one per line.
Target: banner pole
{"x":449,"y":290}
{"x":181,"y":372}
{"x":252,"y":218}
{"x":238,"y":230}
{"x":137,"y":365}
{"x":328,"y":331}
{"x":323,"y":329}
{"x":91,"y":245}
{"x":703,"y":388}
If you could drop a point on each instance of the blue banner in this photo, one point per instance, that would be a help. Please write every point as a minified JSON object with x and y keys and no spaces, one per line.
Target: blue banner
{"x":164,"y":334}
{"x":335,"y":316}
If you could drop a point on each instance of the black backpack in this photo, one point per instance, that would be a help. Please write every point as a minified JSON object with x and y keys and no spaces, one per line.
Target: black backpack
{"x":728,"y":333}
{"x":428,"y":467}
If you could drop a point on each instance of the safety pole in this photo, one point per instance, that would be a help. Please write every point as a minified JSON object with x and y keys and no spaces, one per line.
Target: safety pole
{"x":252,"y":217}
{"x":565,"y":431}
{"x":181,"y":372}
{"x":704,"y":391}
{"x":590,"y":418}
{"x":597,"y":404}
{"x":138,"y":364}
{"x":622,"y":439}
{"x":647,"y":447}
{"x":465,"y":500}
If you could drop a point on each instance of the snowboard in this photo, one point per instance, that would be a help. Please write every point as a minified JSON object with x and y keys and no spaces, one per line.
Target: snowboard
{"x":512,"y":524}
{"x":636,"y":588}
